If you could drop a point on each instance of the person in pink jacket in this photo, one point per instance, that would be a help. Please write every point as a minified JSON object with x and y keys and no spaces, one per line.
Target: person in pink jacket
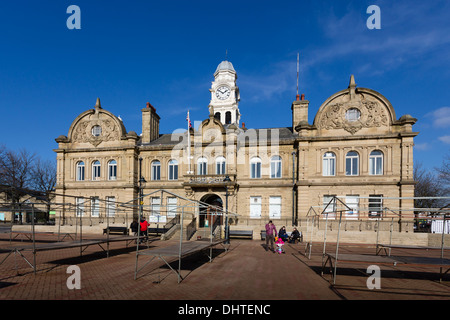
{"x":271,"y":232}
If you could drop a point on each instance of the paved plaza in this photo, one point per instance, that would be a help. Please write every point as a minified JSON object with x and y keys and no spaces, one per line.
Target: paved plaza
{"x":246,"y":271}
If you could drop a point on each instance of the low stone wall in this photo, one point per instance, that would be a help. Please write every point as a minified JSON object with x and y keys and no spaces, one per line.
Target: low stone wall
{"x":364,"y":232}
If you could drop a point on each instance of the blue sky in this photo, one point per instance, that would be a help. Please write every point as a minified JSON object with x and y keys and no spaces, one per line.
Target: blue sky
{"x":165,"y":52}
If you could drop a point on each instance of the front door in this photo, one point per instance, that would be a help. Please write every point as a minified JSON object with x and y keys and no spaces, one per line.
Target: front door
{"x":210,"y":211}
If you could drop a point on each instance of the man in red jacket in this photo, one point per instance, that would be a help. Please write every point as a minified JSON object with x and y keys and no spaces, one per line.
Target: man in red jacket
{"x":271,"y":232}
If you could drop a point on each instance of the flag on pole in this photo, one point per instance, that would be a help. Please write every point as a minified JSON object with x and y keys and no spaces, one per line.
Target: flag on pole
{"x":188,"y":120}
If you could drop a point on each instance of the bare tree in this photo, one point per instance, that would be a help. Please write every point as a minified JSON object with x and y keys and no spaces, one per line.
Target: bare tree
{"x":16,"y":172}
{"x":427,"y":185}
{"x":16,"y":168}
{"x":444,"y":175}
{"x":43,"y":175}
{"x":43,"y":179}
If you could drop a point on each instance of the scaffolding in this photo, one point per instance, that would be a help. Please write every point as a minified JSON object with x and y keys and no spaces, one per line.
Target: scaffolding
{"x":336,"y":208}
{"x":189,"y":210}
{"x":58,"y":243}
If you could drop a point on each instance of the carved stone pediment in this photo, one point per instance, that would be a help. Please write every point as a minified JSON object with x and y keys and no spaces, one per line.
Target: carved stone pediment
{"x":371,"y":114}
{"x":84,"y":132}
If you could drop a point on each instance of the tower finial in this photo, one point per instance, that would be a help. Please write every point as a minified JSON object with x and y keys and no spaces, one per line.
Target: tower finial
{"x":97,"y":104}
{"x":226,"y":54}
{"x":352,"y":87}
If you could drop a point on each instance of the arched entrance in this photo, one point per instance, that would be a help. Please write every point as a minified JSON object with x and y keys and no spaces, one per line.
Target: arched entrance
{"x":208,"y":215}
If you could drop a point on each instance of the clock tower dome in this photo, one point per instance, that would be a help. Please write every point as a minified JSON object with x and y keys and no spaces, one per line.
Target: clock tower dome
{"x":225,"y":94}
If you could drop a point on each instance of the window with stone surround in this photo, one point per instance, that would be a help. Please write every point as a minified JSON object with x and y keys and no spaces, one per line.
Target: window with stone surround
{"x":112,"y":170}
{"x":352,"y":163}
{"x":220,"y":165}
{"x":80,"y":171}
{"x":173,"y":169}
{"x":329,"y":164}
{"x":96,"y":170}
{"x":202,"y":166}
{"x":156,"y":170}
{"x":376,"y":163}
{"x":255,"y":168}
{"x":275,"y":167}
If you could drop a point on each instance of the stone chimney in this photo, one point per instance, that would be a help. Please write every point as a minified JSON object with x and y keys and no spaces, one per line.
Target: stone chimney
{"x":150,"y":124}
{"x":299,"y":111}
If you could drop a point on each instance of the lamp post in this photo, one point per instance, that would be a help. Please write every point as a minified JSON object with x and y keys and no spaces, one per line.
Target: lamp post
{"x":227,"y":231}
{"x":141,"y":187}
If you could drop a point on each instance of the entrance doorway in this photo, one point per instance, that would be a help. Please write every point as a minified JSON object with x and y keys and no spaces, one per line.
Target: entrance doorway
{"x":209,"y":215}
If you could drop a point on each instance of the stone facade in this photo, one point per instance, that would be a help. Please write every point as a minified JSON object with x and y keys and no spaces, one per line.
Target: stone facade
{"x":355,"y":149}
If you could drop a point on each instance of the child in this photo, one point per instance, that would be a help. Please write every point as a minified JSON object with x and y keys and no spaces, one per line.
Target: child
{"x":279,"y":242}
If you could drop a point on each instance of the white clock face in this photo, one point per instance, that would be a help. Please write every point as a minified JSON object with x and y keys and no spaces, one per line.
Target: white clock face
{"x":223,"y":92}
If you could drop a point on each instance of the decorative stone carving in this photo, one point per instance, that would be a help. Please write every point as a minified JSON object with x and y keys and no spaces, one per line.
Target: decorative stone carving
{"x":372,"y":114}
{"x":83,"y":132}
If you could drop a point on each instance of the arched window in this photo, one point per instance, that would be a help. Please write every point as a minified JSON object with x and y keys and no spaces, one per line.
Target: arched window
{"x":228,"y":117}
{"x":96,"y":169}
{"x":255,"y":168}
{"x":173,"y":169}
{"x":156,"y":170}
{"x":112,"y":170}
{"x":329,"y":164}
{"x":202,"y":165}
{"x":275,"y":167}
{"x":217,"y":115}
{"x":220,"y":165}
{"x":80,"y":171}
{"x":352,"y":163}
{"x":376,"y":163}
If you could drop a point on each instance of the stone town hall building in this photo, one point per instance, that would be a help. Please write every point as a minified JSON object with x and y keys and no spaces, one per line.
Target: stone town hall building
{"x":356,"y":149}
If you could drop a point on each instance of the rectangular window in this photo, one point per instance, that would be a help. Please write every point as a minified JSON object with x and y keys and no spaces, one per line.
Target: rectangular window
{"x":95,"y":207}
{"x":80,"y":171}
{"x":376,"y":163}
{"x":171,"y":207}
{"x":156,"y":206}
{"x":375,"y":205}
{"x":96,"y":171}
{"x":255,"y":207}
{"x":220,"y":167}
{"x":255,"y":170}
{"x":329,"y":164}
{"x":202,"y":167}
{"x":173,"y":170}
{"x":351,"y":166}
{"x":156,"y":170}
{"x":275,"y":168}
{"x":79,"y":204}
{"x":329,"y":206}
{"x":111,"y":206}
{"x":112,"y":170}
{"x":275,"y":207}
{"x":352,"y":201}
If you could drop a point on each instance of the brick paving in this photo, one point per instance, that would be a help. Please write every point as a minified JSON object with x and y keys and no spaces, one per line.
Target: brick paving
{"x":245,"y":272}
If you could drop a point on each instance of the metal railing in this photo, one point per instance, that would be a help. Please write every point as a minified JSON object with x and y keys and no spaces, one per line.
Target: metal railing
{"x":191,"y":228}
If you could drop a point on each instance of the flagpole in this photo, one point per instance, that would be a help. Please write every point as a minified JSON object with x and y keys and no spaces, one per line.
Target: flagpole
{"x":298,"y":54}
{"x":189,"y":143}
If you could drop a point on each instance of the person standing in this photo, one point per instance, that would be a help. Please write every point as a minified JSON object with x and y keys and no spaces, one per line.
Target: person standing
{"x":144,"y":229}
{"x":271,"y":232}
{"x":134,"y":227}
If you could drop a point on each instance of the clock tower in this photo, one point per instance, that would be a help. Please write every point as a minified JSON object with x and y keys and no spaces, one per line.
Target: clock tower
{"x":225,"y":94}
